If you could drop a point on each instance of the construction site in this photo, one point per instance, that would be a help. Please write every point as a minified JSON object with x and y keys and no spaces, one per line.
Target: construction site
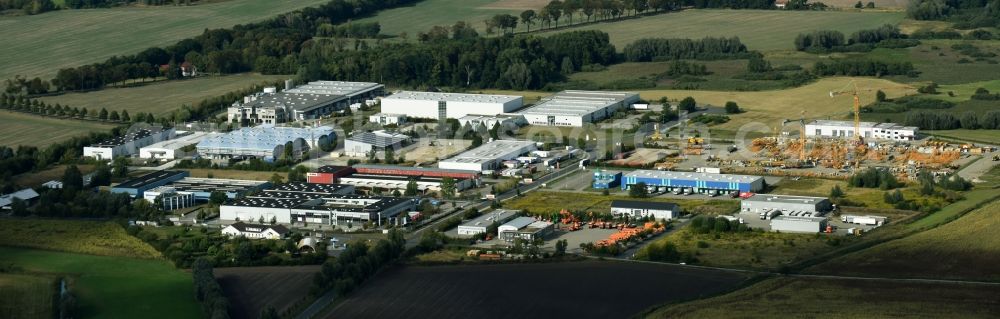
{"x":809,"y":148}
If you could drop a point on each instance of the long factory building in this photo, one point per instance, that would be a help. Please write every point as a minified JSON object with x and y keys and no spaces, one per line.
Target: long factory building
{"x":438,"y":105}
{"x":869,"y":130}
{"x":488,"y":156}
{"x":325,"y":204}
{"x":295,"y":103}
{"x":128,"y":144}
{"x":574,"y":108}
{"x":266,"y":142}
{"x":760,"y":203}
{"x":700,"y":183}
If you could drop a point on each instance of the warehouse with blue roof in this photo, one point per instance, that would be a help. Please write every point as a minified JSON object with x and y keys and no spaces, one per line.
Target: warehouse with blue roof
{"x":266,"y":142}
{"x":700,"y":183}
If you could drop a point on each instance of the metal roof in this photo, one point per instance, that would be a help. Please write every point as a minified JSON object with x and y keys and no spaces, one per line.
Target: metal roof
{"x":415,"y":169}
{"x":711,"y":177}
{"x":798,"y":218}
{"x":339,"y":88}
{"x":121,"y":140}
{"x":645,"y":205}
{"x":487,"y":219}
{"x":378,"y":139}
{"x":452,"y":97}
{"x":786,"y":199}
{"x":577,"y":103}
{"x":490,"y":151}
{"x":263,"y":138}
{"x":850,"y":125}
{"x":150,"y":178}
{"x":189,"y":138}
{"x":519,"y":222}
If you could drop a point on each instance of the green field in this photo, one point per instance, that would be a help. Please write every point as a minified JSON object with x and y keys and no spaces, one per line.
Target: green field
{"x":115,"y":287}
{"x":28,"y":129}
{"x":758,"y":29}
{"x":967,"y":248}
{"x":548,"y":202}
{"x":25,"y":296}
{"x":747,"y":250}
{"x":981,"y":136}
{"x":95,"y":238}
{"x":631,"y":74}
{"x":826,"y":298}
{"x":164,"y":97}
{"x":39,"y":45}
{"x":425,"y":14}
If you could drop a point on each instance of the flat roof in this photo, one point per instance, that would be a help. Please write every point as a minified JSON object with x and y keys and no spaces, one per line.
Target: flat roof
{"x":262,"y":137}
{"x":712,"y":177}
{"x":150,"y":178}
{"x":395,"y":178}
{"x":785,"y":199}
{"x":798,"y":218}
{"x":490,"y":151}
{"x":194,"y":184}
{"x":378,"y":139}
{"x":308,"y":188}
{"x":268,"y":202}
{"x":487,"y":219}
{"x":415,"y":169}
{"x":339,"y":88}
{"x":189,"y":138}
{"x":577,"y":103}
{"x":850,"y":124}
{"x":333,"y":169}
{"x":121,"y":140}
{"x":452,"y":97}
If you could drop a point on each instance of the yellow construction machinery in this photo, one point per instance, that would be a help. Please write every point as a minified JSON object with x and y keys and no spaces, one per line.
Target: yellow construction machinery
{"x":858,"y":140}
{"x":656,"y":133}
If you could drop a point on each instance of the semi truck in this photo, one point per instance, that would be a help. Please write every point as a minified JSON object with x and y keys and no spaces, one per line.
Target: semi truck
{"x":863,"y":220}
{"x":767,"y":215}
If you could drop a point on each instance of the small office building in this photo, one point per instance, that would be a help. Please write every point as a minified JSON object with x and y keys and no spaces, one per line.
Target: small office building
{"x":481,"y":224}
{"x":126,"y":145}
{"x":526,"y":228}
{"x":792,"y":224}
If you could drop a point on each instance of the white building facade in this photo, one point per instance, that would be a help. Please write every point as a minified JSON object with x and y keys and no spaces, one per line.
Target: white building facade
{"x":868,"y":130}
{"x":574,"y":108}
{"x":488,"y":156}
{"x":435,"y":105}
{"x":126,"y":145}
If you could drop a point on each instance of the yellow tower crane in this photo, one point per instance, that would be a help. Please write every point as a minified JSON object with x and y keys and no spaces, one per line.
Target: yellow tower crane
{"x":852,"y":89}
{"x":802,"y":136}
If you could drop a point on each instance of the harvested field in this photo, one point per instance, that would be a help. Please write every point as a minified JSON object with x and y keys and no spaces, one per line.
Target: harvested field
{"x":516,"y":4}
{"x":966,"y":248}
{"x":590,"y":289}
{"x":25,"y":129}
{"x":827,"y":298}
{"x":161,"y":98}
{"x":252,"y":289}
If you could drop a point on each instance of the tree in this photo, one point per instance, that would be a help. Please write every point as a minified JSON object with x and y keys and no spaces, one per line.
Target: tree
{"x":288,"y":151}
{"x":276,"y":179}
{"x":72,"y":179}
{"x":217,"y":198}
{"x":411,"y":188}
{"x":554,"y":10}
{"x":638,"y":190}
{"x":102,"y":175}
{"x":119,"y":167}
{"x":448,"y":187}
{"x":269,"y":313}
{"x":528,"y":18}
{"x":561,"y":247}
{"x":732,"y":107}
{"x":836,"y":192}
{"x":859,"y":5}
{"x":870,"y":5}
{"x":103,"y":115}
{"x":125,"y":116}
{"x":687,"y":104}
{"x":880,"y":96}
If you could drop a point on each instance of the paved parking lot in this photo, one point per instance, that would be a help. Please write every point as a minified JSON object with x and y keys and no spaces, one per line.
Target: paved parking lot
{"x":575,"y":238}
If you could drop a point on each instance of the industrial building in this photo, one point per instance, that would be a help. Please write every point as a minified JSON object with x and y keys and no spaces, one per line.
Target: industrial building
{"x":325,"y":204}
{"x":255,"y":231}
{"x":173,"y":149}
{"x":309,"y":101}
{"x":488,"y":156}
{"x":387,"y":119}
{"x":693,"y":182}
{"x":481,"y":224}
{"x":792,"y":224}
{"x":759,"y":203}
{"x":137,"y":186}
{"x":390,"y":182}
{"x":606,"y":180}
{"x":27,"y":195}
{"x":574,"y":108}
{"x":436,"y":105}
{"x":266,"y":142}
{"x":190,"y":191}
{"x":868,"y":130}
{"x":363,"y":143}
{"x":328,"y":174}
{"x":637,"y":209}
{"x":525,"y":228}
{"x":126,"y":145}
{"x":416,"y":171}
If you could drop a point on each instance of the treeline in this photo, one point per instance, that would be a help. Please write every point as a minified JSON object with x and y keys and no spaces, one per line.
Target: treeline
{"x":208,"y":292}
{"x":966,"y":14}
{"x":520,"y":62}
{"x":930,"y":120}
{"x":28,"y":6}
{"x":874,"y":178}
{"x":824,"y":41}
{"x":863,"y":67}
{"x":86,"y":4}
{"x":906,"y":103}
{"x":350,"y":30}
{"x":645,"y":50}
{"x":357,"y":264}
{"x":222,"y":251}
{"x":228,"y":50}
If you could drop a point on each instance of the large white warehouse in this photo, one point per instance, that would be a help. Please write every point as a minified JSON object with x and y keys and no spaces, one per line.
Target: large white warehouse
{"x":573,"y":108}
{"x":126,"y":145}
{"x":488,"y":156}
{"x":869,"y":130}
{"x":171,"y":149}
{"x":434,"y":105}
